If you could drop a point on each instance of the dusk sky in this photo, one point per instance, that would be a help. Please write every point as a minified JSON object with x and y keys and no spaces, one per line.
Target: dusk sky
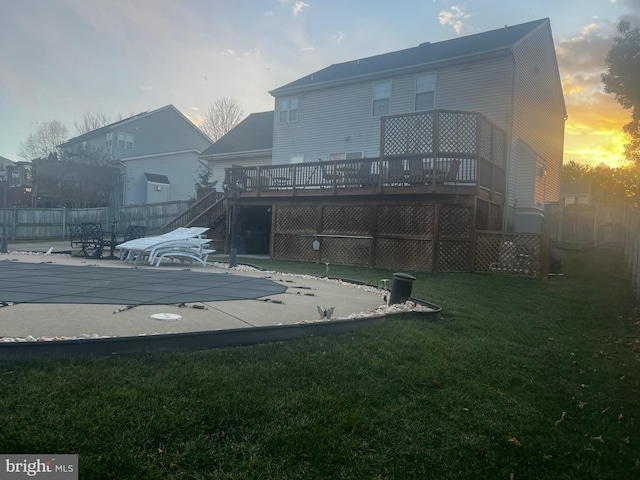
{"x":62,"y":58}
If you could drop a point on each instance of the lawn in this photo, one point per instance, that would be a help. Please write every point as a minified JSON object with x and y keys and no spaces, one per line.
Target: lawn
{"x":521,"y":378}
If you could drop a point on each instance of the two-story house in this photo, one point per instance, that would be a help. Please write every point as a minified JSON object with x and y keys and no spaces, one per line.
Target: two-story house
{"x":156,"y":150}
{"x":396,"y":159}
{"x":510,"y":76}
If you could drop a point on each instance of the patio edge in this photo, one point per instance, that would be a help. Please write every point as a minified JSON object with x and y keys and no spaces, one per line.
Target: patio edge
{"x":204,"y":340}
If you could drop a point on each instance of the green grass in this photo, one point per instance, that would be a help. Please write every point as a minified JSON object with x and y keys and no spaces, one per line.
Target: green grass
{"x":555,"y":366}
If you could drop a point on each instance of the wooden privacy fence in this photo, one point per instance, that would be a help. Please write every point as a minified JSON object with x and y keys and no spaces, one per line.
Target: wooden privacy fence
{"x":431,"y":238}
{"x":51,"y":223}
{"x":579,"y":225}
{"x":632,"y":245}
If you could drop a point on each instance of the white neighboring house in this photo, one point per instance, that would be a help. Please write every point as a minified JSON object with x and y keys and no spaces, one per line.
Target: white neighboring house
{"x":159,"y":144}
{"x":248,"y":144}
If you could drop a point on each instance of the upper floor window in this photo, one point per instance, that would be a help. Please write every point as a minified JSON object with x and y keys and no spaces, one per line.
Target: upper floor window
{"x":425,"y":92}
{"x":296,"y":159}
{"x":381,"y":98}
{"x":109,"y":140}
{"x":125,"y":140}
{"x":288,"y":109}
{"x":345,"y":156}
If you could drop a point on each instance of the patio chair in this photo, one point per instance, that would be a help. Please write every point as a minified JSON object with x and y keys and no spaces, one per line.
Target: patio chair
{"x":183,"y":250}
{"x":138,"y":249}
{"x":366,"y":178}
{"x":416,"y":171}
{"x":93,"y":237}
{"x":76,"y":234}
{"x":329,"y":175}
{"x":451,"y":174}
{"x":396,"y":174}
{"x":134,"y":231}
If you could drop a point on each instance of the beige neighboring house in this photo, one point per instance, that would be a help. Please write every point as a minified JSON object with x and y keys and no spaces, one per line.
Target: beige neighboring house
{"x":576,"y":192}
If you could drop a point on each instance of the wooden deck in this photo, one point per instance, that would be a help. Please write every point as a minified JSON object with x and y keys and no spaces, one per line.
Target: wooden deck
{"x":460,"y":176}
{"x":432,"y":152}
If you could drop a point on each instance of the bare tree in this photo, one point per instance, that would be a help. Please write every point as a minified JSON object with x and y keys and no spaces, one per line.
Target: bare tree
{"x":91,"y":121}
{"x":44,"y":141}
{"x":222,"y":116}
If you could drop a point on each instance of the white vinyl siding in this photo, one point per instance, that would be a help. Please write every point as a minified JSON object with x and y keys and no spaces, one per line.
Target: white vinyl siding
{"x":339,"y":119}
{"x":538,"y":115}
{"x":484,"y":87}
{"x":526,"y":178}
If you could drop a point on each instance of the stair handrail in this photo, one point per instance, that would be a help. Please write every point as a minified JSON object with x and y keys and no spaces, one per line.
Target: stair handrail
{"x":186,"y":218}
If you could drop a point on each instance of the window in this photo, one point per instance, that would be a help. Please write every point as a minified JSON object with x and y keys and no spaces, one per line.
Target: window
{"x":125,"y":140}
{"x":425,"y":92}
{"x":296,"y":159}
{"x":345,"y":156}
{"x":288,"y":109}
{"x":109,"y":140}
{"x":381,"y":98}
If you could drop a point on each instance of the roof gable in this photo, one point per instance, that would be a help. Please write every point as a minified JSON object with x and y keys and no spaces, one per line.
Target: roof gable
{"x":133,"y":118}
{"x":427,"y":53}
{"x":252,"y":134}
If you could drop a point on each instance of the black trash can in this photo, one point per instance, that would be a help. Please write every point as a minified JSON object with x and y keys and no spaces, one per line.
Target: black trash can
{"x":401,"y":288}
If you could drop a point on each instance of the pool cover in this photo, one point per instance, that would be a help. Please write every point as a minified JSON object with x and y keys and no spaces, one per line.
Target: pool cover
{"x":48,"y":283}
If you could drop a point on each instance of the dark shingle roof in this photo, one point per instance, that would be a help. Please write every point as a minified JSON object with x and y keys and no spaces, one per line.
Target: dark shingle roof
{"x":253,"y":133}
{"x":426,"y":53}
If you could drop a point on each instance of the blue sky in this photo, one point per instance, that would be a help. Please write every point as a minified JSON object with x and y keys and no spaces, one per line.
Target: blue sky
{"x":62,"y":58}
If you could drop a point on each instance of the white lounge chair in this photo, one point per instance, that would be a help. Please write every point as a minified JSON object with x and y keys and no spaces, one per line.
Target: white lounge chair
{"x":138,"y":249}
{"x":183,"y":252}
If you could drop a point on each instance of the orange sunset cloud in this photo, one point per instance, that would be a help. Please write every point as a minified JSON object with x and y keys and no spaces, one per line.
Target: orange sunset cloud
{"x":593,"y":131}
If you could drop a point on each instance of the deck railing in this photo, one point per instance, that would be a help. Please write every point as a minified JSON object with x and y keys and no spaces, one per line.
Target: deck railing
{"x":435,"y":148}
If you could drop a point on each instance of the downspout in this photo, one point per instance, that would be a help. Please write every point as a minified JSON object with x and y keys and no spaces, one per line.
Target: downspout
{"x":509,"y":143}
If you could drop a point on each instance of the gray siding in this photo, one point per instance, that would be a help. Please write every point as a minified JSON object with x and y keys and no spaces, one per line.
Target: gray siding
{"x":181,"y":169}
{"x":164,"y":131}
{"x":538,"y":116}
{"x":329,"y":121}
{"x":526,"y":178}
{"x":484,"y":87}
{"x":339,"y":119}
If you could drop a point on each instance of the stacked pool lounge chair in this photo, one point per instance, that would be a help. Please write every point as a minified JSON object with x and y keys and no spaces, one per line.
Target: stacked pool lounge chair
{"x":184,"y":243}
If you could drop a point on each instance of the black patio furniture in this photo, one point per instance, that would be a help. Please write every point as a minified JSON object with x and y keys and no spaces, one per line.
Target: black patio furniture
{"x":134,"y":231}
{"x":92,"y":239}
{"x":77,"y":238}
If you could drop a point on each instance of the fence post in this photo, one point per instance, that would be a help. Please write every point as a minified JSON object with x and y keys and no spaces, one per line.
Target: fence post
{"x":545,"y":255}
{"x":14,"y":223}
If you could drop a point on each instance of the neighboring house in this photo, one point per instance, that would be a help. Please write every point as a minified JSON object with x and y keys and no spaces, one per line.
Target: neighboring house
{"x":18,"y":185}
{"x":161,"y":142}
{"x":248,"y":144}
{"x":5,"y":162}
{"x":509,"y":75}
{"x":576,"y":192}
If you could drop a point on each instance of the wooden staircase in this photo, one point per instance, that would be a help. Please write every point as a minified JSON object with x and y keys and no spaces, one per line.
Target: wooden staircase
{"x":210,"y":211}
